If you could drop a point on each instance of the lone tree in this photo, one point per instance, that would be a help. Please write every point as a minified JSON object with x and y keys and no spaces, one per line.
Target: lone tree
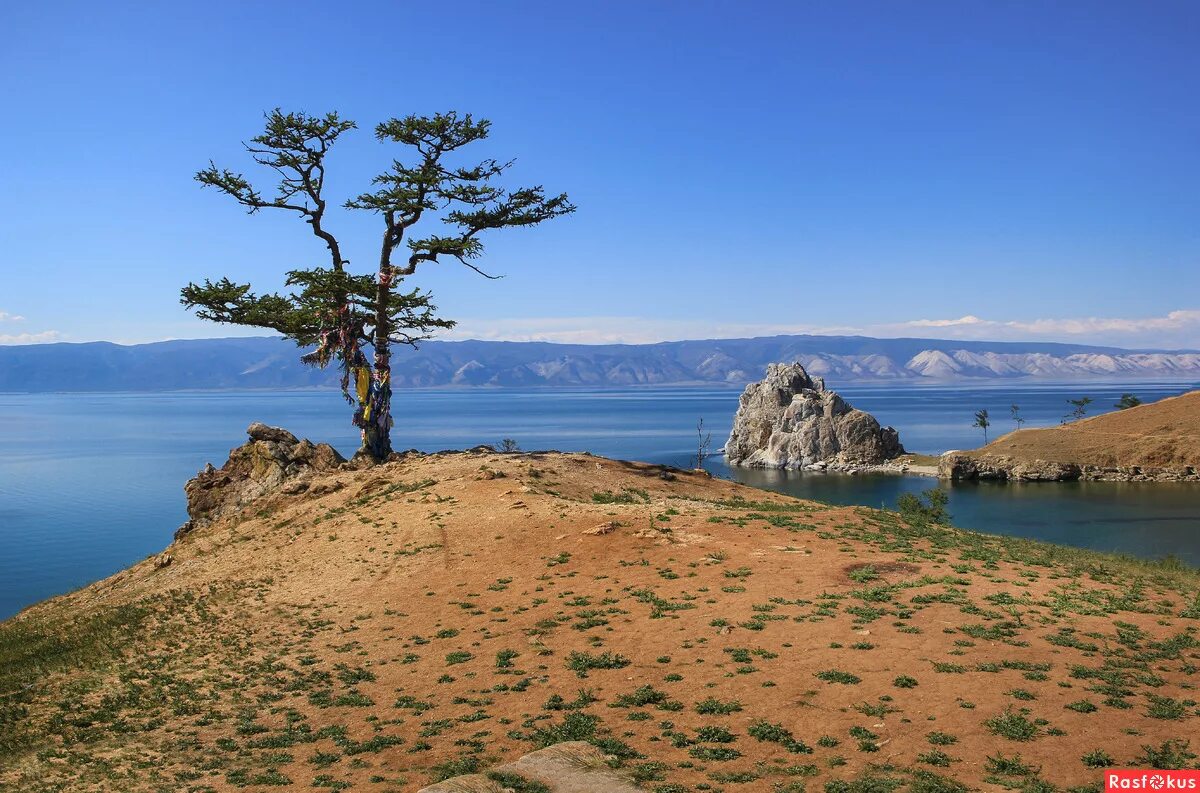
{"x":341,"y":313}
{"x":1016,"y":415}
{"x":983,"y":422}
{"x":1127,"y":401}
{"x":1078,"y":408}
{"x":703,"y":443}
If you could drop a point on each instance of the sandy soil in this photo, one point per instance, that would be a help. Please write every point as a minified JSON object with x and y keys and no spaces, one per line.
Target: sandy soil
{"x":444,"y":613}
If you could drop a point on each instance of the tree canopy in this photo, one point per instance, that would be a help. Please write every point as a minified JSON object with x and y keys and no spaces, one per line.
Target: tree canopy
{"x":338,"y":313}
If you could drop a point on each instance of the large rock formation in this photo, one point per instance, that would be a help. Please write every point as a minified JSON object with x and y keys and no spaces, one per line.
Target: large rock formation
{"x":271,"y":459}
{"x":789,"y":420}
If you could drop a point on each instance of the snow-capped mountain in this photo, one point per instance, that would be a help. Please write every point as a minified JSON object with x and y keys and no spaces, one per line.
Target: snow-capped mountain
{"x":272,"y":363}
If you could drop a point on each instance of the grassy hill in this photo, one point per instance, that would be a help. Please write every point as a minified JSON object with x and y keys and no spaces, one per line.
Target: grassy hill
{"x":390,"y":627}
{"x":1161,"y":434}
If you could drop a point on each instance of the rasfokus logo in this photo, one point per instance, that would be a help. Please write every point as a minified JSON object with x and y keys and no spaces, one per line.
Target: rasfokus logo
{"x":1151,"y":780}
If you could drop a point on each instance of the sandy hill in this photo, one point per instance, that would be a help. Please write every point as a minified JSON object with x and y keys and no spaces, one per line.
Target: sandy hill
{"x":1161,"y":434}
{"x":386,"y":628}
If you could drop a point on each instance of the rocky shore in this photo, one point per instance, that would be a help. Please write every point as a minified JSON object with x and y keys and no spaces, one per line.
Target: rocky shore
{"x":960,"y":466}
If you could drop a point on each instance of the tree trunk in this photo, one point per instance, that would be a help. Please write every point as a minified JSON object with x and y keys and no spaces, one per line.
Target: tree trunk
{"x":377,"y":442}
{"x":377,"y":435}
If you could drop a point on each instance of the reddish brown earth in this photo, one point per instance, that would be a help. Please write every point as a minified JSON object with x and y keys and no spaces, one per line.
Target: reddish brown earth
{"x":429,"y":616}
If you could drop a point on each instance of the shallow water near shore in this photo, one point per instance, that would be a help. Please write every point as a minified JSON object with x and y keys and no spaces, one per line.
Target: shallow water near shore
{"x":90,"y":483}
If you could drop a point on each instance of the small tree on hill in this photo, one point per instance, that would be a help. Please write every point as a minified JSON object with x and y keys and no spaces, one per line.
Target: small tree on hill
{"x":1016,"y":415}
{"x":983,"y":422}
{"x":1078,"y":408}
{"x":1127,"y":401}
{"x":342,"y":314}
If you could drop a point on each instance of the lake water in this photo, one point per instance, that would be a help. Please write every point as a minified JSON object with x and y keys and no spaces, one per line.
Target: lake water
{"x":92,"y":482}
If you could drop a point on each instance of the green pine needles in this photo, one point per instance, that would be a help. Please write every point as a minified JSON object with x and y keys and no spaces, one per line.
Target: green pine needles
{"x":354,"y":319}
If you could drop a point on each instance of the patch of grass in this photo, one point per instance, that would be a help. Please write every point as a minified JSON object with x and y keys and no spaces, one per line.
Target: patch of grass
{"x":838,"y":676}
{"x":1098,"y":758}
{"x":777,"y":733}
{"x":720,"y":754}
{"x":1169,"y":755}
{"x":30,"y":648}
{"x":517,"y":783}
{"x":1012,"y":725}
{"x":715,"y":707}
{"x":714,"y":734}
{"x":582,"y":662}
{"x":467,"y":764}
{"x":629,"y":495}
{"x":935,"y":757}
{"x":641,"y":697}
{"x":1165,"y":708}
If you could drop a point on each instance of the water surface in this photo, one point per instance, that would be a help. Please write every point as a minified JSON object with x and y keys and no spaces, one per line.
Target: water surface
{"x":92,"y":482}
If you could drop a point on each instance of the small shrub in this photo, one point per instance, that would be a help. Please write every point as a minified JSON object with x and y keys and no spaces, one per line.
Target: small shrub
{"x":1013,"y":725}
{"x":582,"y":662}
{"x":1098,"y":758}
{"x":925,"y":509}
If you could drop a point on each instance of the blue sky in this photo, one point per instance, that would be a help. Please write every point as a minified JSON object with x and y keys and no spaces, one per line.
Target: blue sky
{"x":959,"y":169}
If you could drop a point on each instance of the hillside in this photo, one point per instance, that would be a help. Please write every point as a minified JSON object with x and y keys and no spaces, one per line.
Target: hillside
{"x":273,"y":363}
{"x":380,"y":629}
{"x":1157,"y":440}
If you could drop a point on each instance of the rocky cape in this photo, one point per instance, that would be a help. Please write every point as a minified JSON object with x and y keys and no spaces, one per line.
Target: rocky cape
{"x":790,"y":420}
{"x":1156,"y":442}
{"x":272,"y":460}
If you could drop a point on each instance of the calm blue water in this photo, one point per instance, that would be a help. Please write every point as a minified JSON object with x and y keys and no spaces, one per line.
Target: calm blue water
{"x":92,"y":482}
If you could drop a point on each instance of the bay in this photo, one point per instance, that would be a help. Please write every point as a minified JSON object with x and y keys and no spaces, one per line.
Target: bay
{"x":90,"y":483}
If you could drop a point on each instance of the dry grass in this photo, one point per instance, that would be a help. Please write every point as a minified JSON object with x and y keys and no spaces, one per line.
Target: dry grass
{"x":444,"y":613}
{"x":1162,"y":434}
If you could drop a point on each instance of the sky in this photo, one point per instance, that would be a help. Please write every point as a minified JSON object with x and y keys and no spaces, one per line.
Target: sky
{"x":981,"y":170}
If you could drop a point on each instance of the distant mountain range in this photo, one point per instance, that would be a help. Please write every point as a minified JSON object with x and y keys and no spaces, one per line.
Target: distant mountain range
{"x":265,"y":362}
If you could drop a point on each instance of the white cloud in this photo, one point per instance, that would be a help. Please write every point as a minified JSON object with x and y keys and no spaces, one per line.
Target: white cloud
{"x":7,"y":317}
{"x":946,"y":323}
{"x":621,"y":330}
{"x":1174,"y":330}
{"x":31,"y":338}
{"x":1177,"y":329}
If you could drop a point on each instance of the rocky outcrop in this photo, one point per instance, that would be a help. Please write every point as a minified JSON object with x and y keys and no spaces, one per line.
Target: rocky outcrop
{"x":967,"y":466}
{"x":569,"y":767}
{"x":790,"y":420}
{"x":272,"y":460}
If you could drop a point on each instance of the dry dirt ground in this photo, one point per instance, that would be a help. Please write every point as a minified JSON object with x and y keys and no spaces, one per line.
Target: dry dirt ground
{"x":1161,"y":434}
{"x":440,"y":614}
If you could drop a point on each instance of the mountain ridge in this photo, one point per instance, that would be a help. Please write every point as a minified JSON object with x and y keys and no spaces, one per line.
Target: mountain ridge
{"x":259,"y":362}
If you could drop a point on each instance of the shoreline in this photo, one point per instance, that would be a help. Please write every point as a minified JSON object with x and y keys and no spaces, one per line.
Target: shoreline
{"x":958,"y":466}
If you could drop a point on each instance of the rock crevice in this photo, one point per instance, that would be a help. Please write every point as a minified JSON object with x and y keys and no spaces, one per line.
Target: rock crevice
{"x":790,"y":420}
